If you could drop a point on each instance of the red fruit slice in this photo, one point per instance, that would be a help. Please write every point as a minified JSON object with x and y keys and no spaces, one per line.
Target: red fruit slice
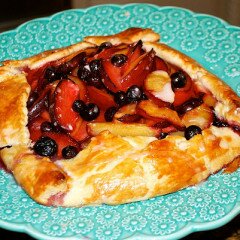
{"x":159,"y":64}
{"x":35,"y":77}
{"x":109,"y":52}
{"x":101,"y":117}
{"x":137,"y":75}
{"x":100,"y":97}
{"x":65,"y":94}
{"x":62,"y":141}
{"x":133,"y":54}
{"x":83,"y":95}
{"x":46,"y":116}
{"x":80,"y":131}
{"x":35,"y":128}
{"x":112,"y":80}
{"x":38,"y":106}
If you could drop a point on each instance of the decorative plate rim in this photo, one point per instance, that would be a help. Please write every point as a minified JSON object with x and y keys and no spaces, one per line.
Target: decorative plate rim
{"x":190,"y":227}
{"x":224,"y":22}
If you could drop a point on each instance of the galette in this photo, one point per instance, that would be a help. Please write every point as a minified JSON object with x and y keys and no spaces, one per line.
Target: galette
{"x":114,"y":119}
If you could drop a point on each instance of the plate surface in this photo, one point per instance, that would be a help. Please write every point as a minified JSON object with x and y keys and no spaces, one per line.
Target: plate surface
{"x":213,"y":43}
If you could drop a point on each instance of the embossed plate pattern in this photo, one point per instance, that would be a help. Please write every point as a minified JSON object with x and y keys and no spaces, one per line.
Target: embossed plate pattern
{"x":212,"y":42}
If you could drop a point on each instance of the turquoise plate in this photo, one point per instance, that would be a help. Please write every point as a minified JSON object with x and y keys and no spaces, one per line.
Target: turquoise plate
{"x":212,"y":42}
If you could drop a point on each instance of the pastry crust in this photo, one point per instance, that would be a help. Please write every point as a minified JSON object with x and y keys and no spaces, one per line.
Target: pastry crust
{"x":114,"y":169}
{"x":128,"y":36}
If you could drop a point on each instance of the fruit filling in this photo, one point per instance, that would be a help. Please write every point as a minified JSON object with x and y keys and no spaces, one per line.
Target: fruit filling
{"x":122,"y":89}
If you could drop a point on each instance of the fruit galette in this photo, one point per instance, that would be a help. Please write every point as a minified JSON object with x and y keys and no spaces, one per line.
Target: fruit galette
{"x":114,"y":119}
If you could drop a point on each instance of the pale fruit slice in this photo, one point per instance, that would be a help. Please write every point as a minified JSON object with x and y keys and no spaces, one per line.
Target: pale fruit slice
{"x":158,"y":84}
{"x":127,"y":109}
{"x":121,"y":129}
{"x":127,"y":114}
{"x":209,"y":100}
{"x":202,"y":116}
{"x":148,"y":108}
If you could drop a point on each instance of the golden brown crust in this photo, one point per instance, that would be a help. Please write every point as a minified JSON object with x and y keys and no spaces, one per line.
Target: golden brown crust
{"x":114,"y":169}
{"x":128,"y":36}
{"x":38,"y":176}
{"x":48,"y":56}
{"x":13,"y":112}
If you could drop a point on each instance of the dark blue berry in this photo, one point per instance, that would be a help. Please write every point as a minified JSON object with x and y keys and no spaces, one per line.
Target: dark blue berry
{"x":178,"y":79}
{"x":103,"y":46}
{"x":83,"y":73}
{"x":95,"y":65}
{"x":118,"y":60}
{"x":109,"y":114}
{"x":69,"y":152}
{"x":144,"y":96}
{"x":95,"y":80}
{"x":192,"y":131}
{"x":134,"y":93}
{"x":162,"y":135}
{"x":90,"y":112}
{"x":78,"y":106}
{"x":120,"y":98}
{"x":45,"y":146}
{"x":51,"y":74}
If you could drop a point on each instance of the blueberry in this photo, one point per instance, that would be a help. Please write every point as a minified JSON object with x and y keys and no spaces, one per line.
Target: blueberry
{"x":103,"y":46}
{"x":78,"y":106}
{"x":95,"y":65}
{"x":134,"y":93}
{"x":90,"y":112}
{"x":178,"y":79}
{"x":162,"y":135}
{"x":83,"y":73}
{"x":64,"y":68}
{"x":109,"y":114}
{"x":144,"y":96}
{"x":118,"y":60}
{"x":120,"y":98}
{"x":46,"y":127}
{"x":95,"y":80}
{"x":51,"y":74}
{"x":45,"y":146}
{"x":69,"y":152}
{"x":192,"y":131}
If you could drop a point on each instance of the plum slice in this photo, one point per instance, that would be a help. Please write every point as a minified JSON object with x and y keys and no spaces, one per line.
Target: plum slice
{"x":62,"y":113}
{"x":138,"y":73}
{"x":134,"y":73}
{"x":149,"y":109}
{"x":100,"y":97}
